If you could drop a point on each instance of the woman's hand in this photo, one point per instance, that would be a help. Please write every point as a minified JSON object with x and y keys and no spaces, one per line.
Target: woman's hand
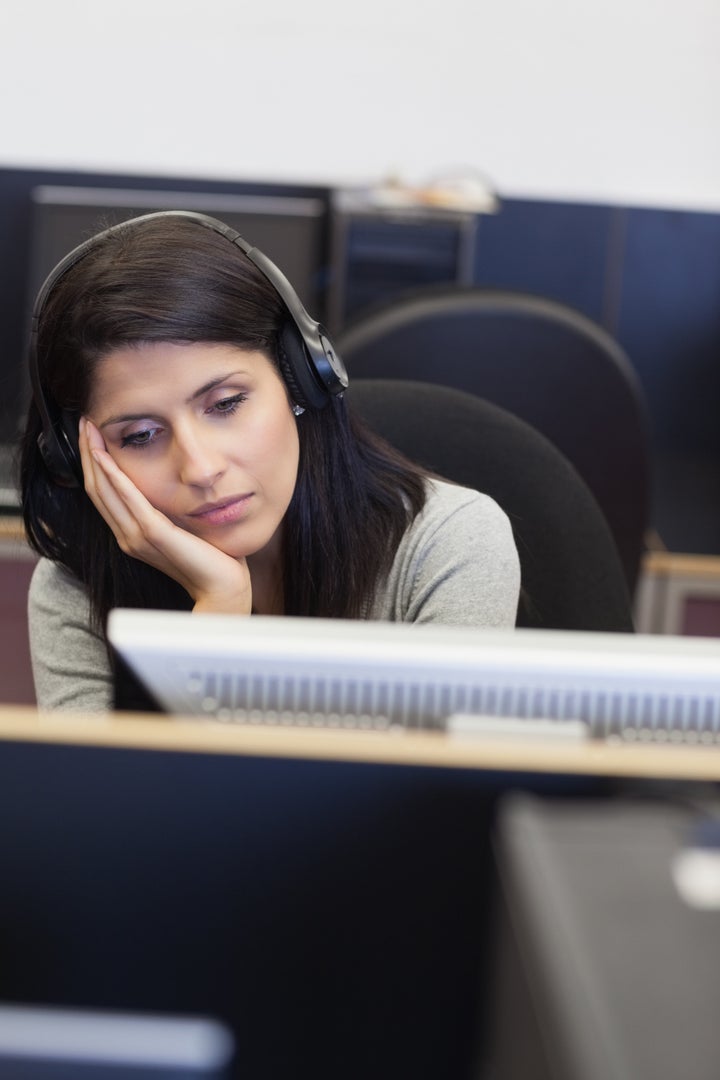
{"x":214,"y":580}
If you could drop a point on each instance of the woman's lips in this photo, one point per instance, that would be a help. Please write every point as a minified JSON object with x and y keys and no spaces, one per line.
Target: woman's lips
{"x":222,"y":513}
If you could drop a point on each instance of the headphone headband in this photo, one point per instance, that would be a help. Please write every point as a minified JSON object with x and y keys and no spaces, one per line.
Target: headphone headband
{"x":310,"y":365}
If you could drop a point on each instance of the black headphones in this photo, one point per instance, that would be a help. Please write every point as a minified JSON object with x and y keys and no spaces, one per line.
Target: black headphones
{"x":310,"y":366}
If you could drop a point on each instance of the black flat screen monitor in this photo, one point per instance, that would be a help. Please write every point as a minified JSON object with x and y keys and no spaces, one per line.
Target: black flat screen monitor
{"x":333,"y":915}
{"x":288,"y":229}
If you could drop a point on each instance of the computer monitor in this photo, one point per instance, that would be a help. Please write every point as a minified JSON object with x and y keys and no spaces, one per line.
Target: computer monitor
{"x":289,"y":229}
{"x":380,"y":675}
{"x":83,"y":1044}
{"x":332,"y":914}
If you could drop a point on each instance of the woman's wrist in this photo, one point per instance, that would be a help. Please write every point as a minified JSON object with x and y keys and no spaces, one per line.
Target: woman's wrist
{"x":225,"y":603}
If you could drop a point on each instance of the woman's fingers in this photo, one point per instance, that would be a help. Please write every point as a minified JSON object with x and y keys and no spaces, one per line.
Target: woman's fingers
{"x":114,"y":496}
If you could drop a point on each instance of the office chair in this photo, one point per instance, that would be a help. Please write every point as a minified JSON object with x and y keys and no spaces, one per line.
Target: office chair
{"x":572,"y":577}
{"x":541,"y":360}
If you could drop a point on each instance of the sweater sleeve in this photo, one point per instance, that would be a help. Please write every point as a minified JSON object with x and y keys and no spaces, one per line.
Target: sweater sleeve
{"x":70,"y":665}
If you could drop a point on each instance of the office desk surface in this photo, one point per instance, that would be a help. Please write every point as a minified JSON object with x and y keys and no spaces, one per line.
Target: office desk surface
{"x":434,"y":749}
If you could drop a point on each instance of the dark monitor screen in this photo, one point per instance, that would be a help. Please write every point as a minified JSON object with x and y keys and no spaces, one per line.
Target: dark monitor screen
{"x":333,"y":915}
{"x":288,"y":229}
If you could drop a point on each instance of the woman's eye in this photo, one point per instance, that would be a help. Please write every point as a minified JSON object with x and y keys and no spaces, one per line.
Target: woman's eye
{"x":227,"y":406}
{"x":140,"y":438}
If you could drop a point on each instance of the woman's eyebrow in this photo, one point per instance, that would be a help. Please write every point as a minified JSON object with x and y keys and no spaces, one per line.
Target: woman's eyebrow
{"x":125,"y":418}
{"x":213,"y":383}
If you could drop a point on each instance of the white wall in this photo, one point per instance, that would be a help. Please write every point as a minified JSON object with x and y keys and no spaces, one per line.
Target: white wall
{"x":609,"y":100}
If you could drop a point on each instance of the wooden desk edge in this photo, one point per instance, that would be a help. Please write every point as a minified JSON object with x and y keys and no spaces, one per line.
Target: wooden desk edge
{"x":669,"y":563}
{"x":12,"y":529}
{"x":431,"y":749}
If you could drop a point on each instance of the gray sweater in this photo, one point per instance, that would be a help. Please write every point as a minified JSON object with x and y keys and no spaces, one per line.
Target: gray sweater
{"x":457,"y":565}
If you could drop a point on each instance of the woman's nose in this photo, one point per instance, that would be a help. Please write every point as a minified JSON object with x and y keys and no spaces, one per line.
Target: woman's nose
{"x":200,"y":463}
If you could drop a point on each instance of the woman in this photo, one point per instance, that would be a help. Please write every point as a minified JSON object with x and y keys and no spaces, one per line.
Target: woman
{"x":189,"y":446}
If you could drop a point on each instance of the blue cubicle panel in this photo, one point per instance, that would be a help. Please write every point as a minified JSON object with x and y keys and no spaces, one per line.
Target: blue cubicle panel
{"x":669,"y":322}
{"x":564,"y":251}
{"x":649,"y":276}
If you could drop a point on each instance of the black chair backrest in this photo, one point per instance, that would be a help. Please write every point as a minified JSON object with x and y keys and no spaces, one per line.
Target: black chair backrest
{"x":571,"y":573}
{"x":539,"y":359}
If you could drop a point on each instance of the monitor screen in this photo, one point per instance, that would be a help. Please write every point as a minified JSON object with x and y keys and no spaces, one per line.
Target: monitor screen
{"x":332,"y":914}
{"x":288,"y":229}
{"x":380,"y":675}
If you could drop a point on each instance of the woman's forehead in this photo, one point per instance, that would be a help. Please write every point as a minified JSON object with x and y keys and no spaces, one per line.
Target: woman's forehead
{"x":170,"y":368}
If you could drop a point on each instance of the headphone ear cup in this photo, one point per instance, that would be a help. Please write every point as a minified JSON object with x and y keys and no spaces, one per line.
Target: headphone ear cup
{"x":60,"y":451}
{"x":296,"y":369}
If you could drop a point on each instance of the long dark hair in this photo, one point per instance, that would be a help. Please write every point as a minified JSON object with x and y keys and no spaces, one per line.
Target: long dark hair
{"x":168,"y":280}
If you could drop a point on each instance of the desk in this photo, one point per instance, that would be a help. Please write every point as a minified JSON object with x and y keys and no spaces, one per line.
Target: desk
{"x":328,"y":894}
{"x":154,"y":732}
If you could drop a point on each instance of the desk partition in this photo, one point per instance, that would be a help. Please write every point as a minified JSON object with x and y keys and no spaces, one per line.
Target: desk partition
{"x":609,"y":958}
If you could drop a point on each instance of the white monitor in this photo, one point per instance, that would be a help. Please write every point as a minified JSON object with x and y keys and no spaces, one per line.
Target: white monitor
{"x":340,"y":673}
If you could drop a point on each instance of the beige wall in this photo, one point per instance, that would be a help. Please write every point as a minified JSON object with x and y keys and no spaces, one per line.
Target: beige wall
{"x":618,"y":101}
